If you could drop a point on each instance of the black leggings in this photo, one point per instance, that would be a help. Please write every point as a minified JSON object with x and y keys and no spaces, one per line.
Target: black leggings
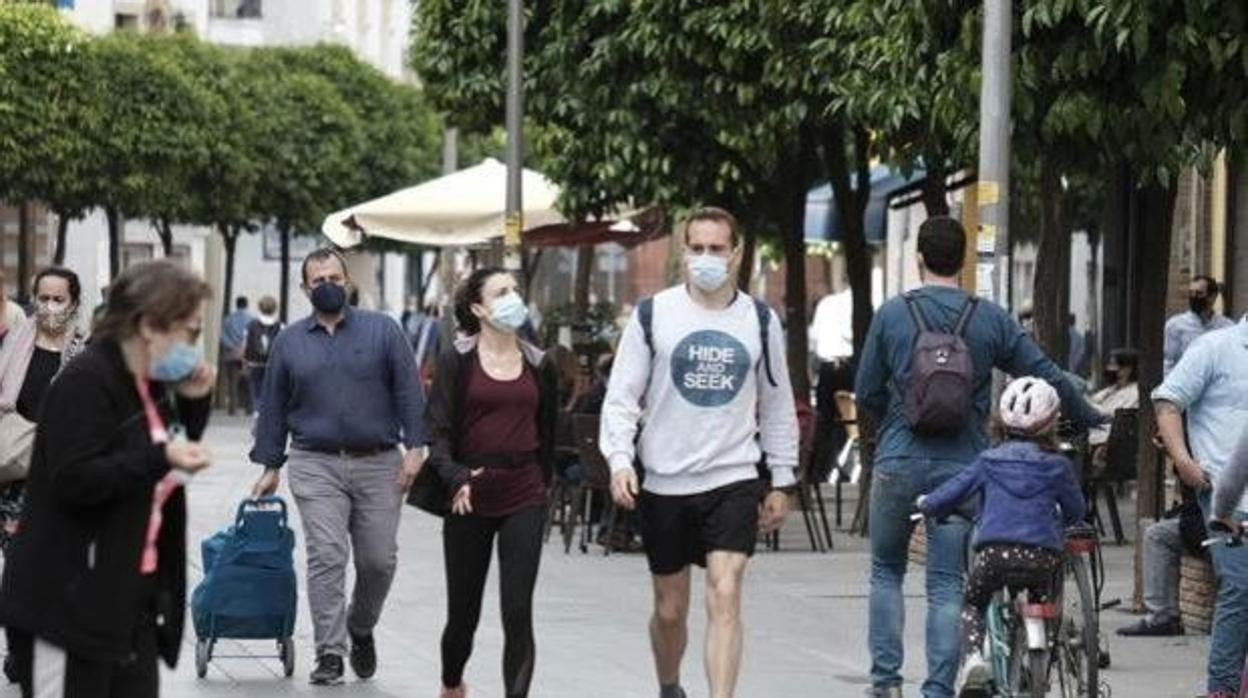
{"x":1020,"y":567}
{"x":467,"y":544}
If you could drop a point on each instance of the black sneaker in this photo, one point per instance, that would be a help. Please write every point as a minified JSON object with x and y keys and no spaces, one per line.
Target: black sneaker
{"x":363,"y":656}
{"x":1149,"y":628}
{"x":328,"y":671}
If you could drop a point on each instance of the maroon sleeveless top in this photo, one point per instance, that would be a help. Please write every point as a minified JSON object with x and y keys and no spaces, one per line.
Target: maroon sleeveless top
{"x":500,"y":421}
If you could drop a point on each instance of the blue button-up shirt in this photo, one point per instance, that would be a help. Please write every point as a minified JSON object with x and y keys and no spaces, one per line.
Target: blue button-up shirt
{"x":234,"y":330}
{"x":1210,"y":384}
{"x":1182,"y":330}
{"x":355,"y":389}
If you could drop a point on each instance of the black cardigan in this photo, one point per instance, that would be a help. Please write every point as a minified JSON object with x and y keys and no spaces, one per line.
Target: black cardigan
{"x":72,"y":574}
{"x":444,"y":473}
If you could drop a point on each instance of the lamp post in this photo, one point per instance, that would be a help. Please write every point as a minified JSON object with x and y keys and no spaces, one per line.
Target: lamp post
{"x":993,"y":192}
{"x":514,"y":221}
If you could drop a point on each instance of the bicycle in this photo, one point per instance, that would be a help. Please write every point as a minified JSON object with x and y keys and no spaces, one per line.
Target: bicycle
{"x":1028,"y":639}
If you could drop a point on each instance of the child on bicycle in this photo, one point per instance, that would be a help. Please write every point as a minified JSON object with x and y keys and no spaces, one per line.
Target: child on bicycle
{"x":1021,"y":483}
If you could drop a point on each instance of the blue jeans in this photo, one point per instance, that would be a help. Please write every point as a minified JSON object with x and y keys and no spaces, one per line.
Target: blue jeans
{"x":894,"y":487}
{"x":1228,"y":641}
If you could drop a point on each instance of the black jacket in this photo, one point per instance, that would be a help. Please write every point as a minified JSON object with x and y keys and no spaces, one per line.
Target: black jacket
{"x":259,"y":342}
{"x":72,"y":574}
{"x":443,"y":412}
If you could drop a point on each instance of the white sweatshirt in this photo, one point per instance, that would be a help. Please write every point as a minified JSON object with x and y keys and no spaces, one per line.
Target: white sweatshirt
{"x":708,"y":406}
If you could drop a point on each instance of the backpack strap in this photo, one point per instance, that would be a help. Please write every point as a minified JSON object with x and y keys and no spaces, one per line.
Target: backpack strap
{"x":964,"y":318}
{"x":764,"y":330}
{"x":645,"y":315}
{"x":916,"y":313}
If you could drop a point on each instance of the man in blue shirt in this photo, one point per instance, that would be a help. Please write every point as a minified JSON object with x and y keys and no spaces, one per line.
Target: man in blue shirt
{"x":908,"y":464}
{"x":1199,"y":318}
{"x":342,"y":385}
{"x":1210,"y":386}
{"x":233,"y":341}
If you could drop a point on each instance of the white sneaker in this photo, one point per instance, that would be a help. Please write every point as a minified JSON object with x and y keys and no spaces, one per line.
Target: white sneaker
{"x":974,"y":677}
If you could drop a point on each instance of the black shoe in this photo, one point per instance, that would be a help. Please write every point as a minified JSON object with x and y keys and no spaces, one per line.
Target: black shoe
{"x":363,"y":656}
{"x":328,"y":671}
{"x":1149,"y":628}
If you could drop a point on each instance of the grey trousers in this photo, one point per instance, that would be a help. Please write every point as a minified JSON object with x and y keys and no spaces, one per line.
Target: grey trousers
{"x":1163,"y":554}
{"x":350,"y":507}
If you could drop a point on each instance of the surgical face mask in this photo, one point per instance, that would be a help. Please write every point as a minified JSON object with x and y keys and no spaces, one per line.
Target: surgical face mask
{"x":708,"y":272}
{"x":508,"y":313}
{"x":329,"y":298}
{"x":177,"y":365}
{"x":54,"y":317}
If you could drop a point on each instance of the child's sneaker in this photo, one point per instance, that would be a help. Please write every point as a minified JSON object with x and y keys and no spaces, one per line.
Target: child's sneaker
{"x":973,"y":677}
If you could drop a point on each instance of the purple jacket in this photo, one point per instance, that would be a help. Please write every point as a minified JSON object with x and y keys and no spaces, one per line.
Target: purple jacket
{"x":1022,"y":488}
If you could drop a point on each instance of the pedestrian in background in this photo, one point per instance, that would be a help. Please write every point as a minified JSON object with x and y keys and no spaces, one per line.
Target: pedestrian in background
{"x":95,"y":580}
{"x":342,"y":383}
{"x":233,"y":344}
{"x":261,"y":333}
{"x":491,"y":420}
{"x":1199,"y":318}
{"x":11,"y":314}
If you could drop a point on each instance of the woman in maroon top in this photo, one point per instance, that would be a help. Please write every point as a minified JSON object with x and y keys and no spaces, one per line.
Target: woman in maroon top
{"x":491,"y":419}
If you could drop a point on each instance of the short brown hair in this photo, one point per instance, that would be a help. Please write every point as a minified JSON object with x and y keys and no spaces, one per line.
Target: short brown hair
{"x":267,"y":305}
{"x":162,"y":291}
{"x":717,"y":215}
{"x":320,"y":255}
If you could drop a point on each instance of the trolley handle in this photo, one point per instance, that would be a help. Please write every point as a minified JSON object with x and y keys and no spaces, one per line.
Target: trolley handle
{"x":266,"y":503}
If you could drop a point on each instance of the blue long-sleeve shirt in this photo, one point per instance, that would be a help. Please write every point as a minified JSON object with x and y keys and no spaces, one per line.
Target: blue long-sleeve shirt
{"x":994,"y":339}
{"x":356,"y":389}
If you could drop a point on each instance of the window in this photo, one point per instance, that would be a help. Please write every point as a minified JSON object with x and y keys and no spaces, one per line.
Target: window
{"x":124,"y":21}
{"x":237,"y":9}
{"x":133,"y":253}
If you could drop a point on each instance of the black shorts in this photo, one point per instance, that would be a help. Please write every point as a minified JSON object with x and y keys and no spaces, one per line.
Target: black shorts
{"x":679,"y":530}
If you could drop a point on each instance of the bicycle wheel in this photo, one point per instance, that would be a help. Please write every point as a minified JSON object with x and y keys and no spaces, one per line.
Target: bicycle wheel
{"x":1029,"y":669}
{"x":1079,"y":634}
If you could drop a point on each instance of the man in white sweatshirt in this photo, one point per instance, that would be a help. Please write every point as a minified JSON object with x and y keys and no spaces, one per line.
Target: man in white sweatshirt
{"x":716,"y":404}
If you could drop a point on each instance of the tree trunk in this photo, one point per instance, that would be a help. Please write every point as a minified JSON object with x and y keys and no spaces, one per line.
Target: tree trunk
{"x":62,"y":239}
{"x":797,"y":339}
{"x":584,"y":276}
{"x":229,"y":236}
{"x":284,"y":291}
{"x":1151,"y":233}
{"x":749,"y":250}
{"x":851,"y":202}
{"x":25,"y":250}
{"x":165,"y":231}
{"x":115,"y":223}
{"x":1052,"y":284}
{"x":935,"y":199}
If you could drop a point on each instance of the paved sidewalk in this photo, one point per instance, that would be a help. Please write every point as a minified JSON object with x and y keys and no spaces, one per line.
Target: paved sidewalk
{"x":805,"y":621}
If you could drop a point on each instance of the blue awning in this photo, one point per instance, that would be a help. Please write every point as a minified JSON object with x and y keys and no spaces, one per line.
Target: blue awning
{"x":823,"y":222}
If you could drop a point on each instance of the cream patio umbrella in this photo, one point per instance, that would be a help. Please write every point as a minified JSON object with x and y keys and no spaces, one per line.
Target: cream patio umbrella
{"x":464,"y":208}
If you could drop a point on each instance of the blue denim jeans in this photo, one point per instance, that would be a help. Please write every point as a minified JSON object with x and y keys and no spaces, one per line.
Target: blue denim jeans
{"x":1228,"y":641}
{"x":894,"y":487}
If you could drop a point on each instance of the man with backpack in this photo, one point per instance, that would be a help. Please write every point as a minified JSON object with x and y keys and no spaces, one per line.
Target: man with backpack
{"x":925,"y":375}
{"x":703,"y":366}
{"x":261,"y":333}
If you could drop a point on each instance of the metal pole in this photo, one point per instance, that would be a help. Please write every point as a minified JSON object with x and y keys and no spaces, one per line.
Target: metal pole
{"x":515,"y":138}
{"x":993,"y":246}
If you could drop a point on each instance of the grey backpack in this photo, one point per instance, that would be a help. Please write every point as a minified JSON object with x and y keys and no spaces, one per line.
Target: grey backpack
{"x":937,"y":396}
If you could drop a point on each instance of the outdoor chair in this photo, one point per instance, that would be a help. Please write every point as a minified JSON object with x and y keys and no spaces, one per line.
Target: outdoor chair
{"x":597,"y":480}
{"x":1120,"y":467}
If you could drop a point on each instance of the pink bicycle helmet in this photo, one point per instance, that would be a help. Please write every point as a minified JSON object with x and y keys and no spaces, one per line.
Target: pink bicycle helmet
{"x":1029,"y":406}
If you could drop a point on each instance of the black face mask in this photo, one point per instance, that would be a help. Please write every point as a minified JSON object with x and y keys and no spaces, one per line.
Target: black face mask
{"x":1111,"y":376}
{"x":1198,"y":304}
{"x":329,"y":298}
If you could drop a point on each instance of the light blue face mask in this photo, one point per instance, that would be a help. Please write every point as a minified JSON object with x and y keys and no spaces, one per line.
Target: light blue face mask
{"x":509,"y":313}
{"x":177,"y":365}
{"x":708,"y":272}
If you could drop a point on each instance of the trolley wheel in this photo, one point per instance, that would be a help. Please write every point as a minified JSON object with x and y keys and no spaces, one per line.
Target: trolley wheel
{"x":286,"y":648}
{"x":203,"y":655}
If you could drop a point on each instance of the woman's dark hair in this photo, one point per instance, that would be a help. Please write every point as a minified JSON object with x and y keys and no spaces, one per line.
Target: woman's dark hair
{"x":1127,"y":358}
{"x":469,"y":294}
{"x":162,"y":291}
{"x":942,"y":242}
{"x":75,"y":287}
